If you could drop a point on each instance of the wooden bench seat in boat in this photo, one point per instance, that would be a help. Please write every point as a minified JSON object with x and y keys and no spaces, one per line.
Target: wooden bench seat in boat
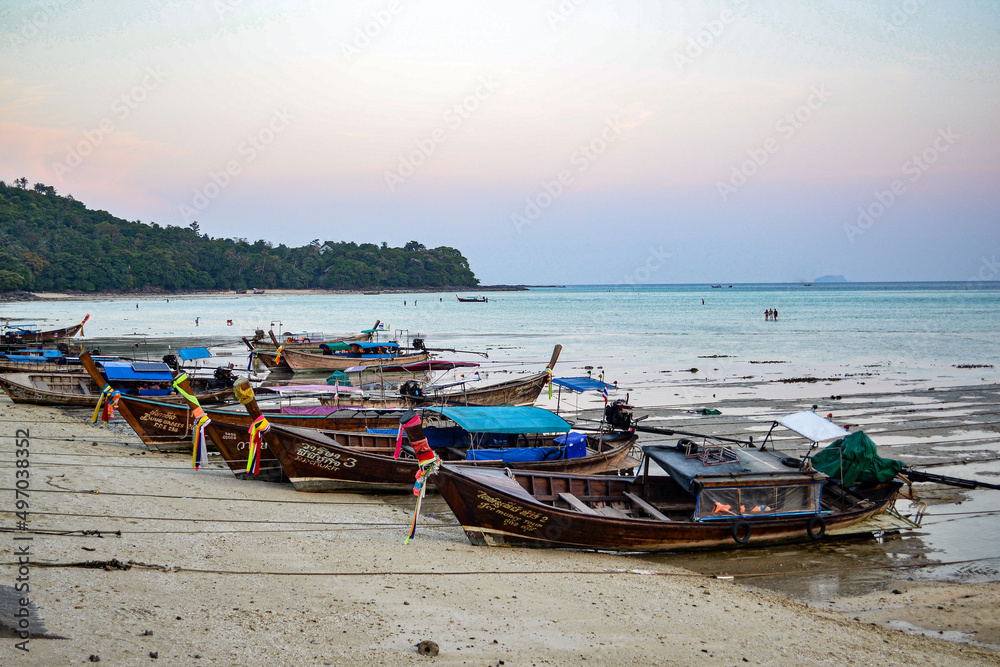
{"x":576,"y":503}
{"x":646,"y":507}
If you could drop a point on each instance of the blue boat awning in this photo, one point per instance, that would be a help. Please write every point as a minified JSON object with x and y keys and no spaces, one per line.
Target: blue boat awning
{"x":504,"y":419}
{"x":137,"y":371}
{"x":189,"y":353}
{"x":582,"y":384}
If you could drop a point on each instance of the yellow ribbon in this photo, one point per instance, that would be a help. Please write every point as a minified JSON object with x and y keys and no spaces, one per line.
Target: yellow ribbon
{"x":105,"y":393}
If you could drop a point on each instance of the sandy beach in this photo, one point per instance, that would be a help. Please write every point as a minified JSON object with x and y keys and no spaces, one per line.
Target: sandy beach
{"x":231,"y":572}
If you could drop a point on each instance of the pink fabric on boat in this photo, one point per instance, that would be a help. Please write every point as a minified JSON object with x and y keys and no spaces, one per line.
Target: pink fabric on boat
{"x":309,"y":410}
{"x":312,"y":388}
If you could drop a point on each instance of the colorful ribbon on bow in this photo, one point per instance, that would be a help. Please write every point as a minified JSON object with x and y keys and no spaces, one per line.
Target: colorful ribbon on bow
{"x":108,"y":400}
{"x":399,"y":436}
{"x":257,"y":429}
{"x":199,"y":452}
{"x":425,"y":470}
{"x":199,"y":444}
{"x":277,"y":357}
{"x":548,"y":372}
{"x":251,"y":359}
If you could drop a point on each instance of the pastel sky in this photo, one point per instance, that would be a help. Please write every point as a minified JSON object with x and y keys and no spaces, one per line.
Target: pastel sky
{"x":565,"y":142}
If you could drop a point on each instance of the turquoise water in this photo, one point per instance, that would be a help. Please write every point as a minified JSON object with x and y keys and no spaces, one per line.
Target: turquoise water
{"x":649,"y":337}
{"x":910,"y":326}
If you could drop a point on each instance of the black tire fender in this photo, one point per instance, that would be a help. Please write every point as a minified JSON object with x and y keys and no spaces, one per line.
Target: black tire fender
{"x":816,"y":527}
{"x":741,"y":531}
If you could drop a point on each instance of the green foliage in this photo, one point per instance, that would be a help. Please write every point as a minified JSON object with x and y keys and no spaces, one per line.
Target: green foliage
{"x":51,"y":242}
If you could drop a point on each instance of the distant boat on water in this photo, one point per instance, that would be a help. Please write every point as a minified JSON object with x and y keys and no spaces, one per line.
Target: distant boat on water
{"x":472,"y":299}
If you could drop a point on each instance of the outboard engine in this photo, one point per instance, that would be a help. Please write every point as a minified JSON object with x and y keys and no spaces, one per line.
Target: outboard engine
{"x":172,"y":361}
{"x":259,"y":335}
{"x":411,"y":388}
{"x":418,"y":344}
{"x":619,"y":415}
{"x":224,"y":377}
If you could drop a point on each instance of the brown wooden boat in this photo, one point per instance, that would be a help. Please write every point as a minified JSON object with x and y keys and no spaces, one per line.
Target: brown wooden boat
{"x":320,"y":461}
{"x":298,"y":360}
{"x":77,"y":389}
{"x":755,"y":500}
{"x":291,"y":342}
{"x":167,"y":426}
{"x":7,"y":366}
{"x":51,"y":336}
{"x":522,"y":391}
{"x":271,"y":360}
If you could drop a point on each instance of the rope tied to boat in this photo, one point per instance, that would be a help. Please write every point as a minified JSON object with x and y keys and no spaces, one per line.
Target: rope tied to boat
{"x":106,"y":404}
{"x":199,"y":444}
{"x":257,"y":429}
{"x":251,"y":358}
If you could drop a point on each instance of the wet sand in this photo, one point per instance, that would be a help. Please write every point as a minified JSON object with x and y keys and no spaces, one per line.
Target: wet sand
{"x":242,"y":572}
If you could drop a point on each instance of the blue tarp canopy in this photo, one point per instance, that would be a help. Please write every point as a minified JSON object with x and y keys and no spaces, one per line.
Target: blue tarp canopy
{"x":362,"y":346}
{"x":137,"y":371}
{"x":33,"y":355}
{"x":516,"y":454}
{"x":582,"y":384}
{"x":504,"y":419}
{"x":367,"y":346}
{"x":189,"y":353}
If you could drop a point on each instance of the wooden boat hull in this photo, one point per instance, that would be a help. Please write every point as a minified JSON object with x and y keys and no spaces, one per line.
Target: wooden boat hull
{"x":523,"y":391}
{"x":264,"y":344}
{"x":73,"y":390}
{"x":167,"y":426}
{"x":307,"y":361}
{"x":495,"y":510}
{"x":37,"y":367}
{"x":22,"y":392}
{"x":317,"y":462}
{"x":267,"y":358}
{"x":53,"y":335}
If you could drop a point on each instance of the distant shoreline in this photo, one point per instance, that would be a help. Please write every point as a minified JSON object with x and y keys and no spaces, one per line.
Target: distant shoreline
{"x":110,"y":294}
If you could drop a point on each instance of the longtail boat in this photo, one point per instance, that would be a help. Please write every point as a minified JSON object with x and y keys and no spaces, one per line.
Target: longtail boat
{"x":471,"y":299}
{"x":25,"y":333}
{"x":320,"y":461}
{"x":353,"y":354}
{"x":167,"y":426}
{"x":78,"y":389}
{"x":41,"y":361}
{"x":307,"y":340}
{"x":713,"y":496}
{"x":84,"y":388}
{"x":522,"y":391}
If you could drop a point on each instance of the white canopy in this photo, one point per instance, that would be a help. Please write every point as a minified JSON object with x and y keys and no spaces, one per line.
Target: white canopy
{"x":810,"y":425}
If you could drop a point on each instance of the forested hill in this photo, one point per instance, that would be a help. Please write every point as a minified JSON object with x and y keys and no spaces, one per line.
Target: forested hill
{"x":51,"y":242}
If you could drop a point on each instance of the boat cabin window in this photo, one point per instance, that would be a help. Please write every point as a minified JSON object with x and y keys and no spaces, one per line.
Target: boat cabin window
{"x":725,"y":502}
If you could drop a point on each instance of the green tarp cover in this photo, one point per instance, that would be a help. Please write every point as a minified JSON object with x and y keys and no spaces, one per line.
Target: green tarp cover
{"x":505,"y":419}
{"x":860,"y":460}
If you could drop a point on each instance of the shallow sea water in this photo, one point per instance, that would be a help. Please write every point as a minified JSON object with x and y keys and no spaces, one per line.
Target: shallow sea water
{"x":853,"y":337}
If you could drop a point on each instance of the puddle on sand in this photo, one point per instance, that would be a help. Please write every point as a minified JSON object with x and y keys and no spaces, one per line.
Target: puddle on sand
{"x":950,"y":635}
{"x":963,"y":533}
